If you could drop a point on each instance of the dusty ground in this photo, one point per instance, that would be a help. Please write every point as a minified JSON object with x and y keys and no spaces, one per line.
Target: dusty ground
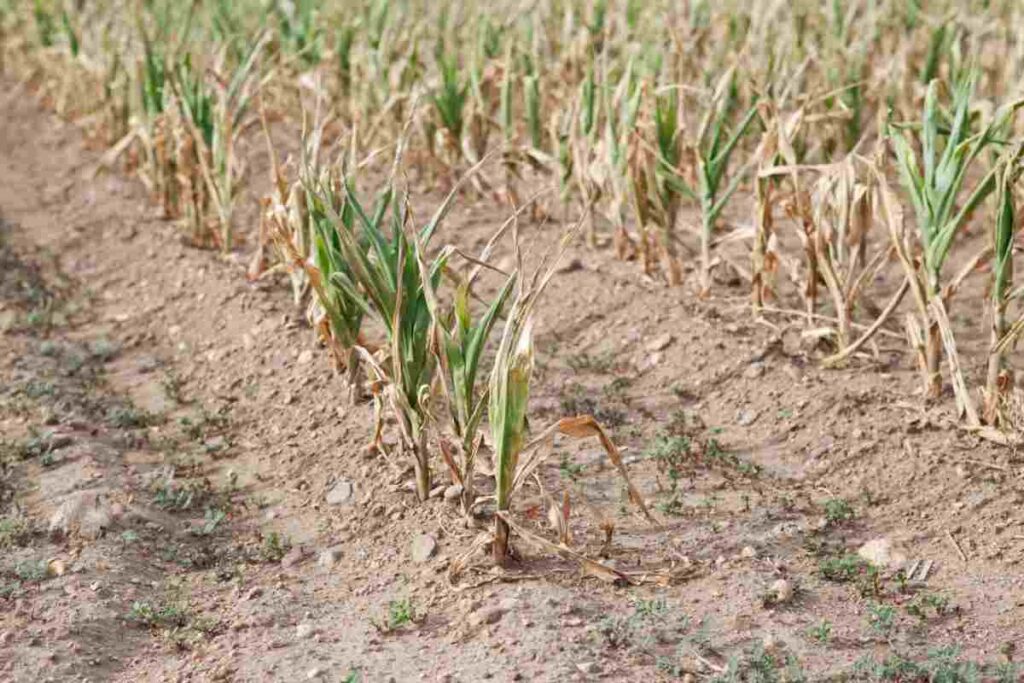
{"x":186,"y":493}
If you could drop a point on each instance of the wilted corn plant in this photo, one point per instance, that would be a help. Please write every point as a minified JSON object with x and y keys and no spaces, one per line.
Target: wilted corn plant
{"x":458,"y":342}
{"x":714,"y":146}
{"x":384,"y":278}
{"x":935,"y":183}
{"x":449,"y":103}
{"x":214,"y":116}
{"x":1004,"y":231}
{"x":509,"y":398}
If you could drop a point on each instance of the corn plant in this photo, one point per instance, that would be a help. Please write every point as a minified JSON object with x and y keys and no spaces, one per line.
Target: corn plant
{"x":509,"y":395}
{"x":343,"y":310}
{"x":343,"y":55}
{"x":459,"y":342}
{"x":670,"y":189}
{"x":215,"y":121}
{"x":297,"y":22}
{"x":46,"y":26}
{"x":714,"y":146}
{"x":508,"y":400}
{"x":449,"y":103}
{"x":387,"y":282}
{"x":622,"y":108}
{"x":1003,"y":235}
{"x":935,"y":182}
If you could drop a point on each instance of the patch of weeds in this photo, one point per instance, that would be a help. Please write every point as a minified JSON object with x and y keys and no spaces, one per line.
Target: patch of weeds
{"x":128,"y":537}
{"x":616,"y":389}
{"x":211,"y":520}
{"x":160,"y":615}
{"x":844,"y":568}
{"x":14,"y":532}
{"x":941,"y":665}
{"x":173,"y":387}
{"x":651,"y":623}
{"x":576,"y":400}
{"x":881,"y":619}
{"x":601,"y":363}
{"x":398,"y":614}
{"x":49,"y":348}
{"x":569,"y":469}
{"x":196,"y":630}
{"x":10,"y":590}
{"x":274,"y":547}
{"x":171,"y":495}
{"x":760,"y":666}
{"x":129,"y":417}
{"x":205,"y":424}
{"x":39,"y":388}
{"x":822,"y":632}
{"x":103,"y":350}
{"x":938,"y":605}
{"x":714,"y":452}
{"x":351,"y":677}
{"x":670,"y":454}
{"x":837,"y":511}
{"x":30,"y":571}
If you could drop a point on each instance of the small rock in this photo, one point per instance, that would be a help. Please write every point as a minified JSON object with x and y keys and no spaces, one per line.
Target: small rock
{"x":314,"y":673}
{"x":589,"y":668}
{"x":754,"y":370}
{"x":748,"y":552}
{"x":216,"y":444}
{"x":328,"y":557}
{"x":453,"y":492}
{"x":881,"y":553}
{"x":745,"y":418}
{"x":423,"y":548}
{"x":660,"y":343}
{"x":304,"y":631}
{"x":305,"y":357}
{"x":254,"y":593}
{"x":6,"y":637}
{"x":782,"y":591}
{"x":341,"y":493}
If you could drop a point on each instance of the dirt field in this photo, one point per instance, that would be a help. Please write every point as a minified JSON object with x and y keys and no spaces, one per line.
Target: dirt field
{"x":186,"y":493}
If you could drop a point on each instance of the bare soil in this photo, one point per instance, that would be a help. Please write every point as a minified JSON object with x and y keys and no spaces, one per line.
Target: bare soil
{"x":170,"y":432}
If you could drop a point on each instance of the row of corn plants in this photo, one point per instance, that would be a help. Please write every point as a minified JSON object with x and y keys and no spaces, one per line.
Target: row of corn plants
{"x":774,"y":143}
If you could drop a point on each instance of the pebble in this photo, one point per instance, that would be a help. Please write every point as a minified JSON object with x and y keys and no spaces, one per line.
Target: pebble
{"x":328,"y":557}
{"x":341,"y":493}
{"x":453,"y":492}
{"x":660,"y":343}
{"x":423,"y":548}
{"x":754,"y":370}
{"x":745,"y":418}
{"x":782,"y":590}
{"x":304,"y":631}
{"x":881,"y":553}
{"x":590,"y":668}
